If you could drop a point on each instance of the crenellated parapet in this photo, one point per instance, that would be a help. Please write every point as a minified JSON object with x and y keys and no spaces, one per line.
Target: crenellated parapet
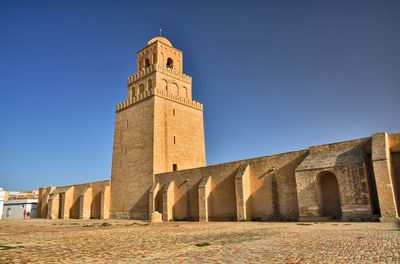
{"x":164,"y":94}
{"x":159,"y":68}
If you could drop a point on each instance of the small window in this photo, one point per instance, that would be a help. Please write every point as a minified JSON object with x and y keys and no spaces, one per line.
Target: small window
{"x":173,"y":111}
{"x":174,"y":140}
{"x":174,"y":167}
{"x":149,"y":84}
{"x":170,"y":63}
{"x":154,"y":58}
{"x":147,"y":63}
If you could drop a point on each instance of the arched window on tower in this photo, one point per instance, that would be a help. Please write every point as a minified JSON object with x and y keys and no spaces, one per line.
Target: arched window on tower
{"x":174,"y":89}
{"x":164,"y":85}
{"x":183,"y":92}
{"x":147,"y":62}
{"x":141,"y":88}
{"x":170,"y":63}
{"x":133,"y":92}
{"x":149,"y":84}
{"x":154,"y":58}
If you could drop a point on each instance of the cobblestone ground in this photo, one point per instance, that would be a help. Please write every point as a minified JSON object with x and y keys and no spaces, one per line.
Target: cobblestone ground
{"x":128,"y":241}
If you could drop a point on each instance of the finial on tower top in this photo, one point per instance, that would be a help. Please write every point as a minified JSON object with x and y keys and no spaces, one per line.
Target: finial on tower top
{"x":159,"y":33}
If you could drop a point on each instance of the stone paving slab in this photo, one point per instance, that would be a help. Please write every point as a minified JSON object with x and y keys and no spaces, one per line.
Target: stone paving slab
{"x":129,"y":241}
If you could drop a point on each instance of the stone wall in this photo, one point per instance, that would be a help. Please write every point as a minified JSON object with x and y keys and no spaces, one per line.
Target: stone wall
{"x":384,"y":147}
{"x":394,"y":144}
{"x":268,"y":184}
{"x":81,"y":201}
{"x":288,"y":186}
{"x":347,"y":161}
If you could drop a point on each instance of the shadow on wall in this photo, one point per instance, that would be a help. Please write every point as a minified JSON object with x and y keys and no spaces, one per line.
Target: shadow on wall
{"x":396,"y":178}
{"x":222,"y":200}
{"x":140,"y":209}
{"x":74,"y":210}
{"x":95,"y":206}
{"x":186,"y":207}
{"x":328,"y":195}
{"x":277,"y":198}
{"x":158,"y":201}
{"x":352,"y":156}
{"x":356,"y":183}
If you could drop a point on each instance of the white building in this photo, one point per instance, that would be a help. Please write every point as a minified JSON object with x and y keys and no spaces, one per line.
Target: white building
{"x":2,"y":195}
{"x":15,"y":208}
{"x":12,"y":194}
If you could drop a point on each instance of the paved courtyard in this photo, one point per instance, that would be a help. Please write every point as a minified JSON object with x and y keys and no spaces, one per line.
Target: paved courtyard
{"x":128,"y":241}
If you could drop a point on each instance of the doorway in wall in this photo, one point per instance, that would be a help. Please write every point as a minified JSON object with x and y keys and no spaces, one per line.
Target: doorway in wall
{"x":328,"y":194}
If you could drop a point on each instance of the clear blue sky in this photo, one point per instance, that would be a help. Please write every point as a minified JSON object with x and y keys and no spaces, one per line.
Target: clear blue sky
{"x":274,"y":76}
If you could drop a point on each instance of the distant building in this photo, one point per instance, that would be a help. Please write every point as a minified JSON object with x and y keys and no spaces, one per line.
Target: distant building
{"x":11,"y":195}
{"x":29,"y":194}
{"x":2,"y":198}
{"x":14,"y":209}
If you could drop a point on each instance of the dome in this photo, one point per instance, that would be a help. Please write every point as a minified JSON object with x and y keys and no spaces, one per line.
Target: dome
{"x":161,"y":39}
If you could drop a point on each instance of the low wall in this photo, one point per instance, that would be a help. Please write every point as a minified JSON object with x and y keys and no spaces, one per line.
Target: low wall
{"x":80,"y":201}
{"x":289,"y":186}
{"x":269,"y":189}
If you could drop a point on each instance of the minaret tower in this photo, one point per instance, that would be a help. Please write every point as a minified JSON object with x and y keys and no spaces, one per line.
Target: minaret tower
{"x":157,"y":129}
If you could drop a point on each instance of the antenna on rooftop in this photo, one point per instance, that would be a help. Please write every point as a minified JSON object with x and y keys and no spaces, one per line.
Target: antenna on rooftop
{"x":159,"y":33}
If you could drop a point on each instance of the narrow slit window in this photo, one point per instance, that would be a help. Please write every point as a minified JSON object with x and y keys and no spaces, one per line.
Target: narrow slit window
{"x":174,"y":140}
{"x":173,"y":111}
{"x":174,"y":167}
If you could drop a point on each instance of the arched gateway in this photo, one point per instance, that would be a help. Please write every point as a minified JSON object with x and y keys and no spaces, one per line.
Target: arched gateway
{"x":328,"y":195}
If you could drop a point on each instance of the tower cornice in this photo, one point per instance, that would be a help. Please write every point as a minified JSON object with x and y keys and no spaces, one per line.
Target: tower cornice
{"x":160,"y":93}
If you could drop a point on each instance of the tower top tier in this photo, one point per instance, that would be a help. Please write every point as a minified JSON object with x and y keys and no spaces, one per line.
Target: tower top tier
{"x":160,"y":51}
{"x":160,"y":39}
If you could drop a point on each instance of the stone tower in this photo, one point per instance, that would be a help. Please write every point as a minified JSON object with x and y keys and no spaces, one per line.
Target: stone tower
{"x":157,"y":129}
